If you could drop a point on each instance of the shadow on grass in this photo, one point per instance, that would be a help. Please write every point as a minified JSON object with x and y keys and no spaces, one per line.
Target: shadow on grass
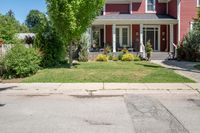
{"x":149,"y":65}
{"x":75,"y":65}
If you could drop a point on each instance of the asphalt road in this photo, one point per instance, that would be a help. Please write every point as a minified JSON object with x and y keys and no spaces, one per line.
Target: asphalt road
{"x":129,"y":113}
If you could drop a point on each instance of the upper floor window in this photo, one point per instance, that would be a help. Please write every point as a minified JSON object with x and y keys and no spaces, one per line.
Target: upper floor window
{"x":150,"y":6}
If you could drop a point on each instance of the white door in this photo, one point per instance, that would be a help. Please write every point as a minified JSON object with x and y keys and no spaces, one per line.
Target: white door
{"x":122,"y":36}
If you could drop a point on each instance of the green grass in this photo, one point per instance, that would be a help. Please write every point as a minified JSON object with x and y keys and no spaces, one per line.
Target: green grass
{"x":197,"y":67}
{"x":124,"y":72}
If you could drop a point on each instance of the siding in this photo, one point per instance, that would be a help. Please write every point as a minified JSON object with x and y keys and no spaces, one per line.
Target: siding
{"x":109,"y":34}
{"x":172,"y":8}
{"x":117,"y":8}
{"x":140,"y":7}
{"x":188,"y":12}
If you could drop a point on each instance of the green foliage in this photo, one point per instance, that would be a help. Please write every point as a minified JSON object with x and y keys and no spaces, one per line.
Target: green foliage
{"x":36,"y":20}
{"x":148,"y":49}
{"x":51,"y":46}
{"x":106,"y":50}
{"x":72,"y":18}
{"x":137,"y":58}
{"x":21,"y":62}
{"x":83,"y":49}
{"x":128,"y":57}
{"x":9,"y":26}
{"x":190,"y":49}
{"x":110,"y":57}
{"x":125,"y":51}
{"x":120,"y":56}
{"x":102,"y":57}
{"x":115,"y":58}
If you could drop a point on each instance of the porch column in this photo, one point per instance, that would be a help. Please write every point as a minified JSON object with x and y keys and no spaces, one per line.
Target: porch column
{"x":131,"y":36}
{"x":171,"y":49}
{"x":141,"y":38}
{"x":91,"y":36}
{"x":104,"y":35}
{"x":114,"y":37}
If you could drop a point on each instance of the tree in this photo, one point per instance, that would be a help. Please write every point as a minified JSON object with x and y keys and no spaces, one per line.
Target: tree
{"x":71,"y":18}
{"x":35,"y":20}
{"x":9,"y":26}
{"x":7,"y":29}
{"x":10,"y":13}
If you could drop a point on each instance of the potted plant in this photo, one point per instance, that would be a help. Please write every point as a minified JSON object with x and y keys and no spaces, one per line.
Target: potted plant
{"x":148,"y":49}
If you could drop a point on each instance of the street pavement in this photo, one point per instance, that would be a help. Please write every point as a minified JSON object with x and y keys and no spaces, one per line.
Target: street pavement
{"x":99,"y":108}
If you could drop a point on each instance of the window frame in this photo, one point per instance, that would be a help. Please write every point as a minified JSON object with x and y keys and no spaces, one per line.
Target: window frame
{"x":121,"y":35}
{"x":146,"y":7}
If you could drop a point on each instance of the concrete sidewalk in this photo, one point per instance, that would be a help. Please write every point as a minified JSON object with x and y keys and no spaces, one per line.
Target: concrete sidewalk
{"x":98,"y":88}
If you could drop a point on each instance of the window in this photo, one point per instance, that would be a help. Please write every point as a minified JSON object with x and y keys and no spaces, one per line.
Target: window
{"x":198,"y":3}
{"x":122,"y":36}
{"x":150,"y":6}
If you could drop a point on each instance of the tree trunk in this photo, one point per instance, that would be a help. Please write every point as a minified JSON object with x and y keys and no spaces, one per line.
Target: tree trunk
{"x":70,"y":55}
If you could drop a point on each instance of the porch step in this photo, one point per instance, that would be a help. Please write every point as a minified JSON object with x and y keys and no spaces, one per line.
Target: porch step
{"x":160,"y":56}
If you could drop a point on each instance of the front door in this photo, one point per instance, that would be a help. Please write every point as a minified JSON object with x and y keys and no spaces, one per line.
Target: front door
{"x":151,"y":34}
{"x":122,"y":36}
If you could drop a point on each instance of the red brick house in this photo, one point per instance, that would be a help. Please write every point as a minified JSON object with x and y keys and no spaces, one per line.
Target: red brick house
{"x":131,"y":23}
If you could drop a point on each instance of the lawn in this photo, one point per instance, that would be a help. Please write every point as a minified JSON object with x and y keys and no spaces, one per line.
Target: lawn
{"x":125,"y":72}
{"x":197,"y":67}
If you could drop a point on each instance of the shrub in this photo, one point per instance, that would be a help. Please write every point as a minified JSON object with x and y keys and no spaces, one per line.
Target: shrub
{"x":128,"y":57}
{"x":83,"y":49}
{"x":125,"y":51}
{"x":107,"y":50}
{"x":51,"y":46}
{"x":102,"y":57}
{"x":21,"y":62}
{"x":120,"y":56}
{"x":115,"y":59}
{"x":110,"y":57}
{"x":190,"y":48}
{"x":137,"y":58}
{"x":148,"y":49}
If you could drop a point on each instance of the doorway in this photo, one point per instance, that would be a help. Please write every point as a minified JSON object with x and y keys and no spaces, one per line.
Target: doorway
{"x":151,"y":33}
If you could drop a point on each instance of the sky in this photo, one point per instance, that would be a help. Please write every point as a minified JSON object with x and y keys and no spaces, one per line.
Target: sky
{"x":21,"y":8}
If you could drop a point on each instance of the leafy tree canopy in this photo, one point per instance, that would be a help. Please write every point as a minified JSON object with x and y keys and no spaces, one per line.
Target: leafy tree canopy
{"x":71,"y":18}
{"x":35,"y":20}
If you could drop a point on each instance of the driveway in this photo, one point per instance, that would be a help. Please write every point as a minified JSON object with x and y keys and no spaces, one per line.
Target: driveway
{"x":181,"y":67}
{"x":49,"y":110}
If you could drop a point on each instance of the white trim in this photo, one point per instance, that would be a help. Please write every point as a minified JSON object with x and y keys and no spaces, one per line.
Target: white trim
{"x":104,"y":10}
{"x":146,"y":7}
{"x":114,"y":37}
{"x":179,"y":17}
{"x":141,"y":38}
{"x":131,"y":36}
{"x":171,"y":37}
{"x":131,"y":8}
{"x":191,"y":25}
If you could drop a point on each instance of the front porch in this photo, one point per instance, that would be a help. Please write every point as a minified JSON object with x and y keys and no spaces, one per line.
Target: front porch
{"x":133,"y":35}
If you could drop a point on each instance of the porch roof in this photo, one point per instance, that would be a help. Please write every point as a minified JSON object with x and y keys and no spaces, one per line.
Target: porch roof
{"x":135,"y":19}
